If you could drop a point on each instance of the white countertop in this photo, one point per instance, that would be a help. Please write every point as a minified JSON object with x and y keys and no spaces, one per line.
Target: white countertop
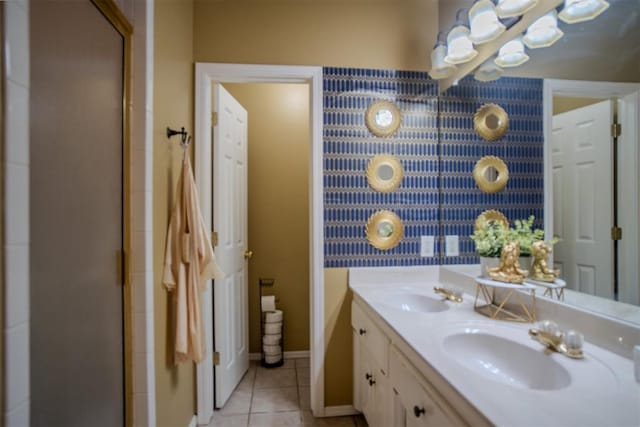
{"x":602,"y":392}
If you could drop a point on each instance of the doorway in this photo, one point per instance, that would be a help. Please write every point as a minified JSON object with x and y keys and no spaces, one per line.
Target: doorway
{"x":206,"y":75}
{"x":277,"y":206}
{"x":624,"y":99}
{"x":79,"y":163}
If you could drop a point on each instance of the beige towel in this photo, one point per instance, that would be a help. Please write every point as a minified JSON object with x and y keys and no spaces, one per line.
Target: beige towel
{"x":189,"y":261}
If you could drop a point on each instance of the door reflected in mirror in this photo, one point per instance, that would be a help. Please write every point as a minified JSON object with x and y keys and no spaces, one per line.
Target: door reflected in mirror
{"x":587,"y":199}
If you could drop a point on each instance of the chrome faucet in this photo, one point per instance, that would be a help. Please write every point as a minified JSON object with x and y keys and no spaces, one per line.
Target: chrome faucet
{"x":568,"y":343}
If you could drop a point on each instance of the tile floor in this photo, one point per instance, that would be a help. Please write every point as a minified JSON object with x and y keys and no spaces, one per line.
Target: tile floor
{"x":276,"y":397}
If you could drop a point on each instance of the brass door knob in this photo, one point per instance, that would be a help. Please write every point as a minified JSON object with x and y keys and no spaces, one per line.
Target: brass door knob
{"x":248,"y":254}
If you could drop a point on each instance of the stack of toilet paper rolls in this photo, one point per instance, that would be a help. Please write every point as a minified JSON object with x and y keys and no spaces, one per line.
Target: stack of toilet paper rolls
{"x":272,"y":338}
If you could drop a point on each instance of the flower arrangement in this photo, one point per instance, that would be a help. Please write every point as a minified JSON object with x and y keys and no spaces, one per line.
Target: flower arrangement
{"x":492,"y":235}
{"x":524,"y":235}
{"x":489,"y":238}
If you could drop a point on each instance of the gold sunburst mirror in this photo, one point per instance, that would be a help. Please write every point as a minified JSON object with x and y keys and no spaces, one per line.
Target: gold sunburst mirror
{"x":491,"y":122}
{"x":384,"y":173}
{"x":384,"y":230}
{"x":491,"y":174}
{"x":383,"y":118}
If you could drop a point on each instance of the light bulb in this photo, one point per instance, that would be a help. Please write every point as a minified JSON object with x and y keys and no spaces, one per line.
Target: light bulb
{"x":512,"y":54}
{"x":509,"y":8}
{"x":459,"y":46}
{"x":543,"y":32}
{"x":484,"y":23}
{"x":488,"y":72}
{"x":582,"y":10}
{"x":439,"y":68}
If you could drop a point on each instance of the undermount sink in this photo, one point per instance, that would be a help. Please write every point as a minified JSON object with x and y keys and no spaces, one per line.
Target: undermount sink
{"x":507,"y":361}
{"x":413,"y":302}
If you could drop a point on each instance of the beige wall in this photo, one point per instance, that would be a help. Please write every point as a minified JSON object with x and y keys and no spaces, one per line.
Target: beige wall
{"x":173,"y":106}
{"x":562,"y":104}
{"x":279,"y":146}
{"x":338,"y":340}
{"x":395,"y":34}
{"x":390,"y":34}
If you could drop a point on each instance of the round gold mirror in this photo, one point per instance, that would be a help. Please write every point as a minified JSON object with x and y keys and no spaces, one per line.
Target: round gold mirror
{"x":490,"y":216}
{"x":491,"y":174}
{"x":383,"y":118}
{"x":384,"y":173}
{"x":384,"y":230}
{"x":491,"y":122}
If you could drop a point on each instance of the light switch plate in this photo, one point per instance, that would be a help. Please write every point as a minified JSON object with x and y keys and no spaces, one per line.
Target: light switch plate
{"x":426,"y":246}
{"x":451,"y":246}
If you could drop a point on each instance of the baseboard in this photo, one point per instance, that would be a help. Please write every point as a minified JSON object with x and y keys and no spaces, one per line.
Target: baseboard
{"x":287,"y":355}
{"x":339,"y":411}
{"x":193,"y":422}
{"x":296,"y":354}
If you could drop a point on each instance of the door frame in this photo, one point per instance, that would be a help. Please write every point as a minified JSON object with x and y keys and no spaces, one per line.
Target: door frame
{"x":112,"y":13}
{"x":205,"y":75}
{"x":603,"y":90}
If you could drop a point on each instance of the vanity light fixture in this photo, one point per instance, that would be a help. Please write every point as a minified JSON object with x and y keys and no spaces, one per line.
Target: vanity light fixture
{"x":488,"y":71}
{"x":459,"y":45}
{"x":543,"y":32}
{"x":582,"y":10}
{"x":509,"y":8}
{"x":440,"y":69}
{"x":512,"y":54}
{"x":484,"y":23}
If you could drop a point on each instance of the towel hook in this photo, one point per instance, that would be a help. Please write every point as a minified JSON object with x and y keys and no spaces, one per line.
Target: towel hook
{"x":185,"y":137}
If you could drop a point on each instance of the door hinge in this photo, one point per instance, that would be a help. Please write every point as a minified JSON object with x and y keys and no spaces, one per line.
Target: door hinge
{"x":616,"y":233}
{"x":216,"y":358}
{"x":214,"y":118}
{"x":616,"y":130}
{"x":214,"y":238}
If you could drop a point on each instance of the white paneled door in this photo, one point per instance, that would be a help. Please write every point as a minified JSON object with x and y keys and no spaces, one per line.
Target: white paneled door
{"x":230,"y":295}
{"x":582,"y":157}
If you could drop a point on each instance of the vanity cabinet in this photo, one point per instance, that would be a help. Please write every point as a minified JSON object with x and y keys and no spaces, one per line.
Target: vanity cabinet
{"x":417,"y":402}
{"x":371,"y":366}
{"x":387,"y":388}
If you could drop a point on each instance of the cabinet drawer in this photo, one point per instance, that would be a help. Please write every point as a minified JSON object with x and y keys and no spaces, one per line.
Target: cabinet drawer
{"x":422,"y":404}
{"x":371,"y":337}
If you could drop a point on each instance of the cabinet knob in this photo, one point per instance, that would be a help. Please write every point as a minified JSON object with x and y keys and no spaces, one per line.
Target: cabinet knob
{"x":362,"y":331}
{"x":371,"y":382}
{"x":418,"y":411}
{"x":368,"y":376}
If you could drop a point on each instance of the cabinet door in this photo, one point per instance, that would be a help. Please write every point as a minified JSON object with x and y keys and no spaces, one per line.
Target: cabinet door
{"x":422,"y":404}
{"x":358,"y":372}
{"x":383,"y":400}
{"x":366,"y":391}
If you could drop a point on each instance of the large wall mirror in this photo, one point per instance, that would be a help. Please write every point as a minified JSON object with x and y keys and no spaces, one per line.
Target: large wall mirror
{"x":591,"y":184}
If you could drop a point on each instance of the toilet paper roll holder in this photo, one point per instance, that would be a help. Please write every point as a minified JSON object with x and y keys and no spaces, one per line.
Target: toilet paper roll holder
{"x":268,"y":282}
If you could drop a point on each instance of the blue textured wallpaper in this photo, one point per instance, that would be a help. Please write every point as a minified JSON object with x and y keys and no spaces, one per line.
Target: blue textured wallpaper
{"x":521,"y":149}
{"x":348,"y":148}
{"x":437,"y":149}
